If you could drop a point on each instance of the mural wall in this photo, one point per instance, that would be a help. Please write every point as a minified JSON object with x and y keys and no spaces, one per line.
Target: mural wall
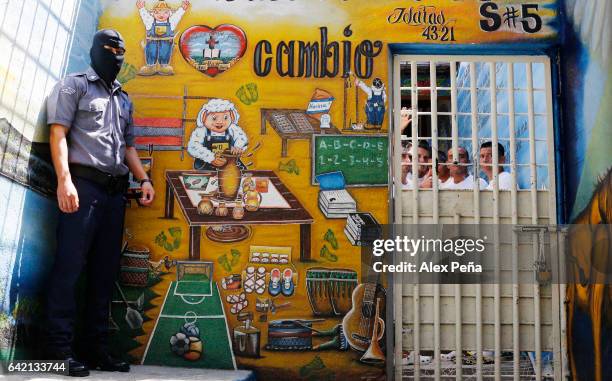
{"x":267,"y":144}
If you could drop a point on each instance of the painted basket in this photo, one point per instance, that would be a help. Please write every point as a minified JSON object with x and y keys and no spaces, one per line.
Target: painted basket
{"x":136,"y":256}
{"x":134,"y":276}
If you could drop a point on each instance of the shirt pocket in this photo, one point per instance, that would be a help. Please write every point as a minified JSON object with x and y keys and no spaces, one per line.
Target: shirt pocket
{"x":124,"y":117}
{"x":92,"y":112}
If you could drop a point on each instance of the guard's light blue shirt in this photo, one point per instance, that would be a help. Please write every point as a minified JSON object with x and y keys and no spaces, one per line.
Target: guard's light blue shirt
{"x":99,"y":120}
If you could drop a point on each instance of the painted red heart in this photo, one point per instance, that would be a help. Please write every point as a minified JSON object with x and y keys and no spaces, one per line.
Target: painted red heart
{"x":213,"y":50}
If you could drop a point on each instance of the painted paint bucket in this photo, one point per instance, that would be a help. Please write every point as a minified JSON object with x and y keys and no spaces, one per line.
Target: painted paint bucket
{"x":246,"y":341}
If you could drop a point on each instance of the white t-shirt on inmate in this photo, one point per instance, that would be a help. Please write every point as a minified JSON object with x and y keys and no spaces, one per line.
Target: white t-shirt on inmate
{"x":505,"y":182}
{"x":467,"y":183}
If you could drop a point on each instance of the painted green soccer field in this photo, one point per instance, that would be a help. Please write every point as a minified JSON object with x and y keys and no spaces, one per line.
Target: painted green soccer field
{"x":210,"y":318}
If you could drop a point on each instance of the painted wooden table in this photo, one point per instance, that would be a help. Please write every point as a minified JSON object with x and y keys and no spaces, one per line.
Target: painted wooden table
{"x":292,"y":124}
{"x":294,"y":214}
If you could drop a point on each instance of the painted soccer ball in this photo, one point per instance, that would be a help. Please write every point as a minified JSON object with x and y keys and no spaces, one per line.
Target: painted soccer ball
{"x":195,"y":349}
{"x":179,"y":344}
{"x":190,"y":330}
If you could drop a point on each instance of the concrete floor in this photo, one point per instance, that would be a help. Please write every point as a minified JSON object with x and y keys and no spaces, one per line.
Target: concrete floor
{"x":147,"y":373}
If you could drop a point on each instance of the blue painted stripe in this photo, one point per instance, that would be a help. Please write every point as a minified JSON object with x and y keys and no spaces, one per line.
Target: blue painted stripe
{"x":502,"y":49}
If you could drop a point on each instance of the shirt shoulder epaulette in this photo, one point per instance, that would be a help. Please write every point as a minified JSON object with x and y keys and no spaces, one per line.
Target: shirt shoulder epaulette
{"x":77,"y":74}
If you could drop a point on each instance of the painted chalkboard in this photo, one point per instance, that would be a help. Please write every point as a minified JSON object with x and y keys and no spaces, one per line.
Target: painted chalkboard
{"x":363,"y":159}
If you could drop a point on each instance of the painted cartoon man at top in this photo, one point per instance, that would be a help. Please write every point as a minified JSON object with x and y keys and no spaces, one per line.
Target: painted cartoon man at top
{"x":375,"y":104}
{"x":160,"y":22}
{"x":217,"y":132}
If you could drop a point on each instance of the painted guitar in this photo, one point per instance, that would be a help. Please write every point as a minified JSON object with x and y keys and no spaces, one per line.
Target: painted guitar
{"x":359,"y":323}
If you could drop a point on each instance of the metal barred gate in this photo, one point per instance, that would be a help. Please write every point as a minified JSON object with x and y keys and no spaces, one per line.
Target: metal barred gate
{"x":456,"y":103}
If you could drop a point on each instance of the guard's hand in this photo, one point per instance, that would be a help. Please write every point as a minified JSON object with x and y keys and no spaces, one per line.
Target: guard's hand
{"x":185,"y":4}
{"x":67,"y":196}
{"x":148,"y":194}
{"x":236,"y":150}
{"x":140,"y":4}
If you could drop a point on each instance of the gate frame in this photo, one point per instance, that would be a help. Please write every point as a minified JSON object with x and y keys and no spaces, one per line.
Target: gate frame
{"x":401,"y":52}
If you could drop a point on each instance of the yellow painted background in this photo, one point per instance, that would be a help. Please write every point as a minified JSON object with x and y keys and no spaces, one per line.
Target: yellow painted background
{"x":276,"y":21}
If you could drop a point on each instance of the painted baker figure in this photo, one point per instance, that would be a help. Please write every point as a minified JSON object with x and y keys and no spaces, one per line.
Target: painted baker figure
{"x":217,"y":132}
{"x":160,"y":22}
{"x":92,"y":147}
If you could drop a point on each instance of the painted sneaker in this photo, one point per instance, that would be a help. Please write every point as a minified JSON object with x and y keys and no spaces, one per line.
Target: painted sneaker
{"x":147,"y":70}
{"x":275,"y":285}
{"x":165,"y":70}
{"x":288,"y":287}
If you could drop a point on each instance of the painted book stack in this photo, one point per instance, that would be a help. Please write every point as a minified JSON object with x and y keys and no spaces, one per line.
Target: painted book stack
{"x":336,"y":203}
{"x":362,"y":229}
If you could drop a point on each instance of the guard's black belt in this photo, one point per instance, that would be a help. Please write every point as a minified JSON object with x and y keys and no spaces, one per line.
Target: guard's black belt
{"x":112,"y":184}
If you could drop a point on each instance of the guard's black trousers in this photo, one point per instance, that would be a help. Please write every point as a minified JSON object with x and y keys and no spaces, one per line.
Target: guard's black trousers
{"x":89,"y":239}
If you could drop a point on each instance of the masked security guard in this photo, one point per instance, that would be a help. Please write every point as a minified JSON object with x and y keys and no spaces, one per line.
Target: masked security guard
{"x":92,"y":147}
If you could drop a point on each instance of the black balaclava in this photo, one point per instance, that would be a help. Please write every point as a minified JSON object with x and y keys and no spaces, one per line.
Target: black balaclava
{"x":103,"y":61}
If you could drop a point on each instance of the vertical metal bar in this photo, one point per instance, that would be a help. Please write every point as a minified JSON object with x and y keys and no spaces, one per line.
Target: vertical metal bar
{"x":398,"y":293}
{"x":454,"y":129}
{"x":516,"y":355}
{"x":560,"y":350}
{"x":565,"y":373}
{"x":495,"y":200}
{"x":434,"y":138}
{"x":476,"y":190}
{"x":415,"y":215}
{"x":414,"y":92}
{"x":534,"y":220}
{"x":458,"y":321}
{"x":556,"y":302}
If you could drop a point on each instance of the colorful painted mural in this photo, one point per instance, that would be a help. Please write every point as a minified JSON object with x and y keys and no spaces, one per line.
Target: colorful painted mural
{"x":267,"y":144}
{"x":270,"y":156}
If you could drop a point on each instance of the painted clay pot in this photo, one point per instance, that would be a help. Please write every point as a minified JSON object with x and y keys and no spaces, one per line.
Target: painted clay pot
{"x":248,"y":183}
{"x":252,"y":200}
{"x":205,"y":206}
{"x":222,"y":210}
{"x":229,"y":177}
{"x":238,"y":212}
